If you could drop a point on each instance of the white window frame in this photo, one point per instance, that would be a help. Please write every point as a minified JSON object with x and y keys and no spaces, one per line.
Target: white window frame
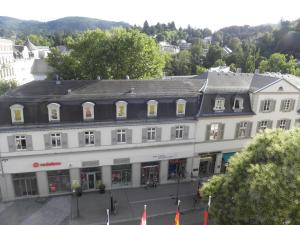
{"x":53,"y":106}
{"x":219,"y":104}
{"x":19,"y":138}
{"x":178,"y":103}
{"x":214,"y":131}
{"x":267,"y":105}
{"x":55,"y":139}
{"x":149,"y":104}
{"x":89,"y":138}
{"x":85,"y":106}
{"x":118,"y":104}
{"x":121,"y":136}
{"x":151,"y":134}
{"x":242,"y":129}
{"x":282,"y":124}
{"x":179,"y":132}
{"x":13,"y":109}
{"x":241,"y":104}
{"x":287,"y":104}
{"x":263,"y":125}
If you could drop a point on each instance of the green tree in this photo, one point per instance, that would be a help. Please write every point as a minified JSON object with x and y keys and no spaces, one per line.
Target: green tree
{"x":111,"y":54}
{"x":214,"y":53}
{"x":197,"y":56}
{"x":200,"y":70}
{"x":40,"y":40}
{"x":6,"y":86}
{"x":262,"y":184}
{"x":179,"y":64}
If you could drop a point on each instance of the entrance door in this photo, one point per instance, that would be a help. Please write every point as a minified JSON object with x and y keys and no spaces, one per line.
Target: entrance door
{"x":25,"y":186}
{"x":150,"y":174}
{"x":91,"y":180}
{"x":205,"y":167}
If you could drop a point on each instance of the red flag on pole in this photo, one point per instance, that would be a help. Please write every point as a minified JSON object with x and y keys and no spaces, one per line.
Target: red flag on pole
{"x":144,"y":217}
{"x":205,"y":220}
{"x":177,"y":216}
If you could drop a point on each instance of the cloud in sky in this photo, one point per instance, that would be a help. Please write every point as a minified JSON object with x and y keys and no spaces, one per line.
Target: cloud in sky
{"x":213,"y":14}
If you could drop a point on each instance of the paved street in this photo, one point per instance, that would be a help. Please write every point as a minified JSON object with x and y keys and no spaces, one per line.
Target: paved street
{"x":61,"y":210}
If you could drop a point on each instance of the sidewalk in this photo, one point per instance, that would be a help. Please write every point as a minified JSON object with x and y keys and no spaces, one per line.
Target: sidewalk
{"x":159,"y":201}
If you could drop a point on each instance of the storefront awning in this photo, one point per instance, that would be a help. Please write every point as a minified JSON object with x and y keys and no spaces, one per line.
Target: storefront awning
{"x":226,"y":156}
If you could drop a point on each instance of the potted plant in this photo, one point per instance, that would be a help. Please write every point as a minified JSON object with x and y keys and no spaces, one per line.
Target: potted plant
{"x":77,"y":190}
{"x":100,"y":186}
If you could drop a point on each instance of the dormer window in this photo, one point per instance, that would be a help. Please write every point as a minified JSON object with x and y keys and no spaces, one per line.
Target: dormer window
{"x":219,"y":104}
{"x":238,"y":104}
{"x":88,"y":110}
{"x":152,"y":108}
{"x":54,"y":112}
{"x":121,"y":110}
{"x":180,"y":107}
{"x":17,"y":113}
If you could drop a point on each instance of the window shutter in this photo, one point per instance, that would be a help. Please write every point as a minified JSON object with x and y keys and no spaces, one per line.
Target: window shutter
{"x":261,"y":108}
{"x":258,"y":126}
{"x":278,"y":123}
{"x":281,"y":105}
{"x":207,"y":132}
{"x":269,"y":124}
{"x":238,"y":125}
{"x":249,"y":128}
{"x":273,"y":104}
{"x":173,"y":133}
{"x":11,"y":140}
{"x":158,"y":134}
{"x":221,"y":133}
{"x":288,"y":124}
{"x":81,"y":139}
{"x":29,"y":146}
{"x":144,"y":135}
{"x":114,"y":137}
{"x":128,"y":136}
{"x":64,"y":140}
{"x":292,"y":105}
{"x":186,"y":132}
{"x":47,"y":141}
{"x":97,"y":138}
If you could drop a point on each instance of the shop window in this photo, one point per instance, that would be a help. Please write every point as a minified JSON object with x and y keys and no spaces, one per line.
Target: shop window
{"x":21,"y":143}
{"x":88,"y":110}
{"x":180,"y":107}
{"x":56,"y":140}
{"x":150,"y":173}
{"x":152,"y":108}
{"x":176,"y":169}
{"x":121,"y":175}
{"x":59,"y":181}
{"x":89,"y":137}
{"x":121,"y":109}
{"x":17,"y":113}
{"x":25,"y":184}
{"x":54,"y":112}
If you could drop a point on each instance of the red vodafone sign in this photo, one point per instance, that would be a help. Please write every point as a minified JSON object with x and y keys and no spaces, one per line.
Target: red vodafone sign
{"x":36,"y":164}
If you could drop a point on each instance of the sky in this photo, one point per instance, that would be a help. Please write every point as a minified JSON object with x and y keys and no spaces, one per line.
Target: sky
{"x":213,"y":14}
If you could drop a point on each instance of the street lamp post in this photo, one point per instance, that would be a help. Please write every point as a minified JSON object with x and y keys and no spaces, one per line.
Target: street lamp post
{"x":179,"y":171}
{"x":77,"y":192}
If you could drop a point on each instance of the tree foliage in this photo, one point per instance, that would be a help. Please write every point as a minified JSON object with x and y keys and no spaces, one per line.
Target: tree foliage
{"x":111,"y":54}
{"x":7,"y":85}
{"x":262,"y":184}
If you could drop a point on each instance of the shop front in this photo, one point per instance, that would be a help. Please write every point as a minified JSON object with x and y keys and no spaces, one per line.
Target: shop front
{"x":149,"y":173}
{"x":177,"y":168}
{"x":59,"y":181}
{"x":225,"y":161}
{"x":207,"y":164}
{"x":121,"y":175}
{"x":90,"y":177}
{"x":25,"y":184}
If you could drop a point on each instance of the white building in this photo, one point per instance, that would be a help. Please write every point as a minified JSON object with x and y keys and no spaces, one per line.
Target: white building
{"x":6,"y":60}
{"x":168,"y":48}
{"x":128,"y":132}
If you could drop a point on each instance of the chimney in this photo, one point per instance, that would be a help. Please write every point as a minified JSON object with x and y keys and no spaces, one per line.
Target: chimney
{"x":127,"y":77}
{"x":239,"y":70}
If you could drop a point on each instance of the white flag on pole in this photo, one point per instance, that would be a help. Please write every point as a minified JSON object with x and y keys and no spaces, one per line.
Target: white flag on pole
{"x":107,"y":211}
